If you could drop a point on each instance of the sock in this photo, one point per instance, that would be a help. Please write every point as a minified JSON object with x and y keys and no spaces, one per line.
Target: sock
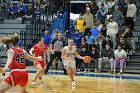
{"x":114,"y":70}
{"x":121,"y":70}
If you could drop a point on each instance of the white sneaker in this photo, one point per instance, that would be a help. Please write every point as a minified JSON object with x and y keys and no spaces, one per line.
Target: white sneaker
{"x":41,"y":80}
{"x":73,"y":83}
{"x":33,"y":83}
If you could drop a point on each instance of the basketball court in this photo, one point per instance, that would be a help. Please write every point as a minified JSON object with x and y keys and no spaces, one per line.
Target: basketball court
{"x":56,"y":82}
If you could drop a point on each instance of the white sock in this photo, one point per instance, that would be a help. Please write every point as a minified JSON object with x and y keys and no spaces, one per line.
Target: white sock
{"x":114,"y":70}
{"x":121,"y":70}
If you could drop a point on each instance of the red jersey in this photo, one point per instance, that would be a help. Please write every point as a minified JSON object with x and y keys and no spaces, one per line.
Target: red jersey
{"x":39,"y":50}
{"x":18,"y":59}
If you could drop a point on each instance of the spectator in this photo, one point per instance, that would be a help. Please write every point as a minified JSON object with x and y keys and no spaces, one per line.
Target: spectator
{"x":20,"y":41}
{"x":84,"y":42}
{"x":99,"y":40}
{"x":107,"y":40}
{"x":12,"y":10}
{"x":37,"y":12}
{"x":77,"y":37}
{"x":94,"y":54}
{"x":93,"y":8}
{"x":99,"y":25}
{"x":118,"y":16}
{"x":21,"y":10}
{"x":80,"y":25}
{"x":120,"y":56}
{"x":28,"y":15}
{"x":106,"y":57}
{"x":88,"y":17}
{"x":94,"y":31}
{"x":101,"y":13}
{"x":47,"y":38}
{"x":110,"y":3}
{"x":125,"y":45}
{"x":109,"y":13}
{"x":90,"y":38}
{"x":104,"y":30}
{"x":83,"y":52}
{"x":112,"y":30}
{"x":131,"y":11}
{"x":128,"y":35}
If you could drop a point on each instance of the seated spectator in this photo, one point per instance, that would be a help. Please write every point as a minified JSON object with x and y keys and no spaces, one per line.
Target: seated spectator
{"x":120,"y":56}
{"x":128,"y":35}
{"x":111,"y":3}
{"x":90,"y":38}
{"x":107,"y":57}
{"x":12,"y":10}
{"x":109,"y":13}
{"x":99,"y":25}
{"x":84,"y":42}
{"x":94,"y":54}
{"x":99,"y":40}
{"x":37,"y":12}
{"x":107,"y":40}
{"x":104,"y":30}
{"x":77,"y":37}
{"x":21,"y":10}
{"x":28,"y":15}
{"x":125,"y":45}
{"x":80,"y":25}
{"x":83,"y":52}
{"x":93,"y":8}
{"x":94,"y":31}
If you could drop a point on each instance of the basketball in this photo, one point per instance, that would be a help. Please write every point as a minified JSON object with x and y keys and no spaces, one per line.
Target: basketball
{"x":87,"y":59}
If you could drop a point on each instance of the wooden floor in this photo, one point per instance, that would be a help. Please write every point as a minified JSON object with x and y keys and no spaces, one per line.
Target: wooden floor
{"x":62,"y":84}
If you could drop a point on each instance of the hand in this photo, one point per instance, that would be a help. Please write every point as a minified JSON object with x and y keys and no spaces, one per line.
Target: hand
{"x":40,"y":58}
{"x":5,"y":68}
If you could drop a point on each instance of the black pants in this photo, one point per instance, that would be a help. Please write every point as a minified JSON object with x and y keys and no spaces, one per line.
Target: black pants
{"x":129,"y":22}
{"x":52,"y":57}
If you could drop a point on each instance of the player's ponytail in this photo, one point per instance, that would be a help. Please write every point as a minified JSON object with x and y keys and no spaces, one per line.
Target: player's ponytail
{"x":13,"y":40}
{"x":6,"y":41}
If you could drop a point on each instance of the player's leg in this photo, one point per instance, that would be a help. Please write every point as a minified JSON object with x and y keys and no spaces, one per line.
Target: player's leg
{"x":2,"y":72}
{"x":4,"y":86}
{"x":22,"y":89}
{"x":40,"y":70}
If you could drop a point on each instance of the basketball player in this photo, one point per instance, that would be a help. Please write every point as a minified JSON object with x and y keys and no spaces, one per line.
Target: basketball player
{"x":38,"y":50}
{"x":68,"y":56}
{"x":16,"y":63}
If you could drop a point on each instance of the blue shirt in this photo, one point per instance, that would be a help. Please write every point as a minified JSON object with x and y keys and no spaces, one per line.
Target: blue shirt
{"x":90,"y":40}
{"x":77,"y":38}
{"x":94,"y":32}
{"x":47,"y":39}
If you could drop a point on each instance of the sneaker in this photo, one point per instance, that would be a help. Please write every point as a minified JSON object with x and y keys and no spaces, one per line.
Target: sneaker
{"x":78,"y":70}
{"x":40,"y":78}
{"x":95,"y":71}
{"x":120,"y":73}
{"x":99,"y":71}
{"x":33,"y":83}
{"x":110,"y":71}
{"x":73,"y":83}
{"x":85,"y":70}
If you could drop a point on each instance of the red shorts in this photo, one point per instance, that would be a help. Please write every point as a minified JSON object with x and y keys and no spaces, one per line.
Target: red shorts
{"x":17,"y":77}
{"x":42,"y":63}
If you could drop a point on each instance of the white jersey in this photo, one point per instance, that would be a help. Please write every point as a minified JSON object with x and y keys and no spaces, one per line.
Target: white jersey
{"x":70,"y":53}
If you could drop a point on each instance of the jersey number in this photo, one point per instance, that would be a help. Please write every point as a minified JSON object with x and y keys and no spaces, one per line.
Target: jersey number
{"x":20,"y":59}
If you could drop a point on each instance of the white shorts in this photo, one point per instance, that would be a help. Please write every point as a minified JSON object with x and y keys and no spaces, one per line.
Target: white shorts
{"x":69,"y":64}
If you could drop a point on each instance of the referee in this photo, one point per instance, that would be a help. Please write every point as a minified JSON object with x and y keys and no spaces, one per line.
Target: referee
{"x":56,"y":45}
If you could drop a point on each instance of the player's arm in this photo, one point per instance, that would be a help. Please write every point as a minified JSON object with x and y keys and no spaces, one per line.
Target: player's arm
{"x":63,"y":54}
{"x":32,"y":58}
{"x":31,"y":51}
{"x":10,"y":55}
{"x":78,"y":56}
